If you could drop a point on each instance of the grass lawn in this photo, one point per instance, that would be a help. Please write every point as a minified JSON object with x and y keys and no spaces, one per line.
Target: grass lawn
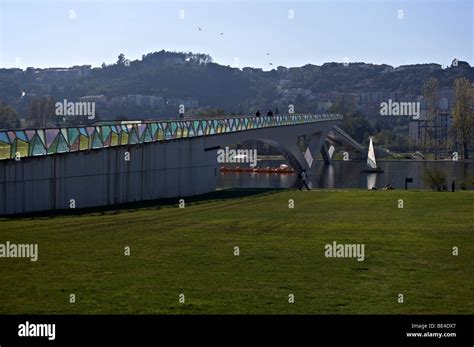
{"x":191,"y":251}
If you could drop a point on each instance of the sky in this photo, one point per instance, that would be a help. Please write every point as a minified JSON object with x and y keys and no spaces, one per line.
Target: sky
{"x":259,"y":33}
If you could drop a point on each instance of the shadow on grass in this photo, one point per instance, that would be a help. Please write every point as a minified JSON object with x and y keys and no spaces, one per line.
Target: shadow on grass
{"x":218,"y":195}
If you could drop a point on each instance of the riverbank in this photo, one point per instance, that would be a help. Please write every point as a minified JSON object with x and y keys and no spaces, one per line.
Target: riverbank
{"x":281,"y":251}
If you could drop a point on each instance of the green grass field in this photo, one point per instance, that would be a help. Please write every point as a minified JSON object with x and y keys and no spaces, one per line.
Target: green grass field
{"x":191,"y":251}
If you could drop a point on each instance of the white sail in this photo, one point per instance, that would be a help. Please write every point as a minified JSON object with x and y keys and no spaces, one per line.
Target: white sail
{"x":371,"y":156}
{"x":371,"y":180}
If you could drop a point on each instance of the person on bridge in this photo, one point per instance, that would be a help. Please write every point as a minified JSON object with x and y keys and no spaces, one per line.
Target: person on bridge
{"x":257,"y":114}
{"x":303,"y":178}
{"x":270,"y":113}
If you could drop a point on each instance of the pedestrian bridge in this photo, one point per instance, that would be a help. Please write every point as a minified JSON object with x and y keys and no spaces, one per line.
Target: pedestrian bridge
{"x":37,"y":142}
{"x":117,"y":162}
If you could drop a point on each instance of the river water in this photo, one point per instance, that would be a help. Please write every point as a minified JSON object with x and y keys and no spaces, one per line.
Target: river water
{"x":348,"y":174}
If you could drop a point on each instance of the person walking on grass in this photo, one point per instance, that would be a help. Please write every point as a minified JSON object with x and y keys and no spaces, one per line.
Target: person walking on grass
{"x":303,"y":178}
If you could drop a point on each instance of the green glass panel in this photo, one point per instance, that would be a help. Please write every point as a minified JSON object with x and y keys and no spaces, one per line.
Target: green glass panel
{"x":65,"y":135}
{"x":62,"y":145}
{"x":174,"y":126}
{"x":124,"y":138}
{"x":164,"y":126}
{"x":114,"y":139}
{"x":84,"y":143}
{"x":191,"y":132}
{"x":154,"y":128}
{"x":200,"y":132}
{"x":147,"y":137}
{"x":4,"y":150}
{"x":96,"y":143}
{"x":133,"y":137}
{"x":73,"y":133}
{"x":38,"y":147}
{"x":169,"y":133}
{"x":160,"y":135}
{"x":106,"y":131}
{"x":53,"y":147}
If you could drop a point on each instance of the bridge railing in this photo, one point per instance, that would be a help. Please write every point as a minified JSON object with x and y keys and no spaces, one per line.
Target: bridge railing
{"x":15,"y":144}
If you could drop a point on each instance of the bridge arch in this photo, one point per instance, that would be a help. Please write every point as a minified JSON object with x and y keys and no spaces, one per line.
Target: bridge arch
{"x":284,"y":139}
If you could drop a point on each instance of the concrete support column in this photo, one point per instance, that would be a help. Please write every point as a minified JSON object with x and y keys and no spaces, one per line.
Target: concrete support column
{"x":314,"y":148}
{"x":325,"y":153}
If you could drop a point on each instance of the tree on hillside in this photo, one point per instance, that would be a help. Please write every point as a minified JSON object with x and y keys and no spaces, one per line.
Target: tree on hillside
{"x":121,"y":59}
{"x":354,"y":122}
{"x":8,"y":117}
{"x":343,"y":105}
{"x":430,"y":93}
{"x":41,"y":112}
{"x":463,"y":111}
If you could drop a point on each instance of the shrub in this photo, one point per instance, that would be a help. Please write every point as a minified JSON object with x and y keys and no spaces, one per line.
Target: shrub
{"x":435,"y":178}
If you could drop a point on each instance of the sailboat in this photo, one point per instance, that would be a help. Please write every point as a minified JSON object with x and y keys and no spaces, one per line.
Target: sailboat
{"x":371,"y":163}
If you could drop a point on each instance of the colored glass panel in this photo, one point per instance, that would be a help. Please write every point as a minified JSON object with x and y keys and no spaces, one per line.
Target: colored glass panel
{"x":83,"y":142}
{"x":53,"y":146}
{"x":147,"y":136}
{"x":106,"y":142}
{"x":65,"y":135}
{"x":4,"y":137}
{"x":62,"y":145}
{"x":114,"y":139}
{"x":141,"y":129}
{"x":11,"y":136}
{"x":73,"y":134}
{"x":160,"y":135}
{"x":106,"y":132}
{"x":30,"y":134}
{"x":153,"y":129}
{"x":200,"y":132}
{"x":38,"y":147}
{"x":133,"y":137}
{"x":51,"y":135}
{"x":124,"y":138}
{"x":90,"y":130}
{"x":4,"y":150}
{"x":96,"y":143}
{"x":75,"y":145}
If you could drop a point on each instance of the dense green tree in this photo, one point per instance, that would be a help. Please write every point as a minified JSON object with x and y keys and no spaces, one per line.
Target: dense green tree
{"x":9,"y":118}
{"x":354,"y":122}
{"x":41,"y":112}
{"x":430,"y":93}
{"x":464,"y":113}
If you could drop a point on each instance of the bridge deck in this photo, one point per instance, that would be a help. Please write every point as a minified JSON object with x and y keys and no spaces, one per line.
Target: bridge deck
{"x":38,"y":142}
